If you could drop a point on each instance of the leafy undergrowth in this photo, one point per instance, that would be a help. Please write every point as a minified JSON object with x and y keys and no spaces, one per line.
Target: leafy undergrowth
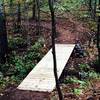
{"x":84,"y":85}
{"x":81,"y":80}
{"x":19,"y":63}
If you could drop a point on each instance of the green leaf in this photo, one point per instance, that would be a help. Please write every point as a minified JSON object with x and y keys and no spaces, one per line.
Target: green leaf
{"x":77,"y":91}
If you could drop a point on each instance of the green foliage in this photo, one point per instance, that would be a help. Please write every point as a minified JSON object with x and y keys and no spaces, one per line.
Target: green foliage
{"x":72,"y":4}
{"x":16,"y":42}
{"x":92,"y":25}
{"x":82,"y":84}
{"x":2,"y":83}
{"x":75,"y":80}
{"x":59,"y":8}
{"x":6,"y":81}
{"x":18,"y":66}
{"x":4,"y":67}
{"x":77,"y":91}
{"x":34,"y":52}
{"x":84,"y":67}
{"x":68,"y":5}
{"x":22,"y":68}
{"x":63,"y":5}
{"x":93,"y":75}
{"x":21,"y":65}
{"x":86,"y":74}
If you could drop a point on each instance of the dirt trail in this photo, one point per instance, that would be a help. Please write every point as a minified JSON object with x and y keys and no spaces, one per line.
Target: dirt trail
{"x":68,"y":30}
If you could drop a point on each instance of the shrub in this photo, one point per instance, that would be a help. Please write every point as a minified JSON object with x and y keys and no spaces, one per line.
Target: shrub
{"x":21,"y":65}
{"x":16,"y":42}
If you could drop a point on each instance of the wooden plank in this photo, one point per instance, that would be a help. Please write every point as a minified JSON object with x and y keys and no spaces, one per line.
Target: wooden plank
{"x":41,"y":78}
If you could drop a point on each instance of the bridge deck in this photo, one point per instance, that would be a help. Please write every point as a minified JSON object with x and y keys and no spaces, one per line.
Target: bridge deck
{"x":41,"y":78}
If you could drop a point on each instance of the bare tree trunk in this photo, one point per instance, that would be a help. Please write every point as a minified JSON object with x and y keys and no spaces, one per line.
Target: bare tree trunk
{"x":95,"y":6}
{"x":51,"y":6}
{"x":11,"y":7}
{"x":98,"y":35}
{"x":90,"y":6}
{"x":38,"y":17}
{"x":34,"y":10}
{"x":11,"y":3}
{"x":3,"y":37}
{"x":28,"y":32}
{"x":18,"y":23}
{"x":26,"y":19}
{"x":92,"y":9}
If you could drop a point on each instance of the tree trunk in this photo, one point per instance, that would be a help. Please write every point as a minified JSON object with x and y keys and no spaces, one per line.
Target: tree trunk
{"x":11,"y":3}
{"x":51,"y":5}
{"x":98,"y":35}
{"x":95,"y":6}
{"x":3,"y":37}
{"x":38,"y":17}
{"x":18,"y":23}
{"x":90,"y":6}
{"x":34,"y":10}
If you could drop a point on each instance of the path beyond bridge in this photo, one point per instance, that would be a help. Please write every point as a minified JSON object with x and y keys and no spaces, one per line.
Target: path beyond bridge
{"x":41,"y":78}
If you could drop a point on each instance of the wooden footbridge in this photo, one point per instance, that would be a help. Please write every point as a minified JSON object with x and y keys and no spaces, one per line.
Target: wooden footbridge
{"x":41,"y":78}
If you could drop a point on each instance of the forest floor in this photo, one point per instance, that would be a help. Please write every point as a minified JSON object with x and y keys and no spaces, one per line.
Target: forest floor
{"x":69,"y":30}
